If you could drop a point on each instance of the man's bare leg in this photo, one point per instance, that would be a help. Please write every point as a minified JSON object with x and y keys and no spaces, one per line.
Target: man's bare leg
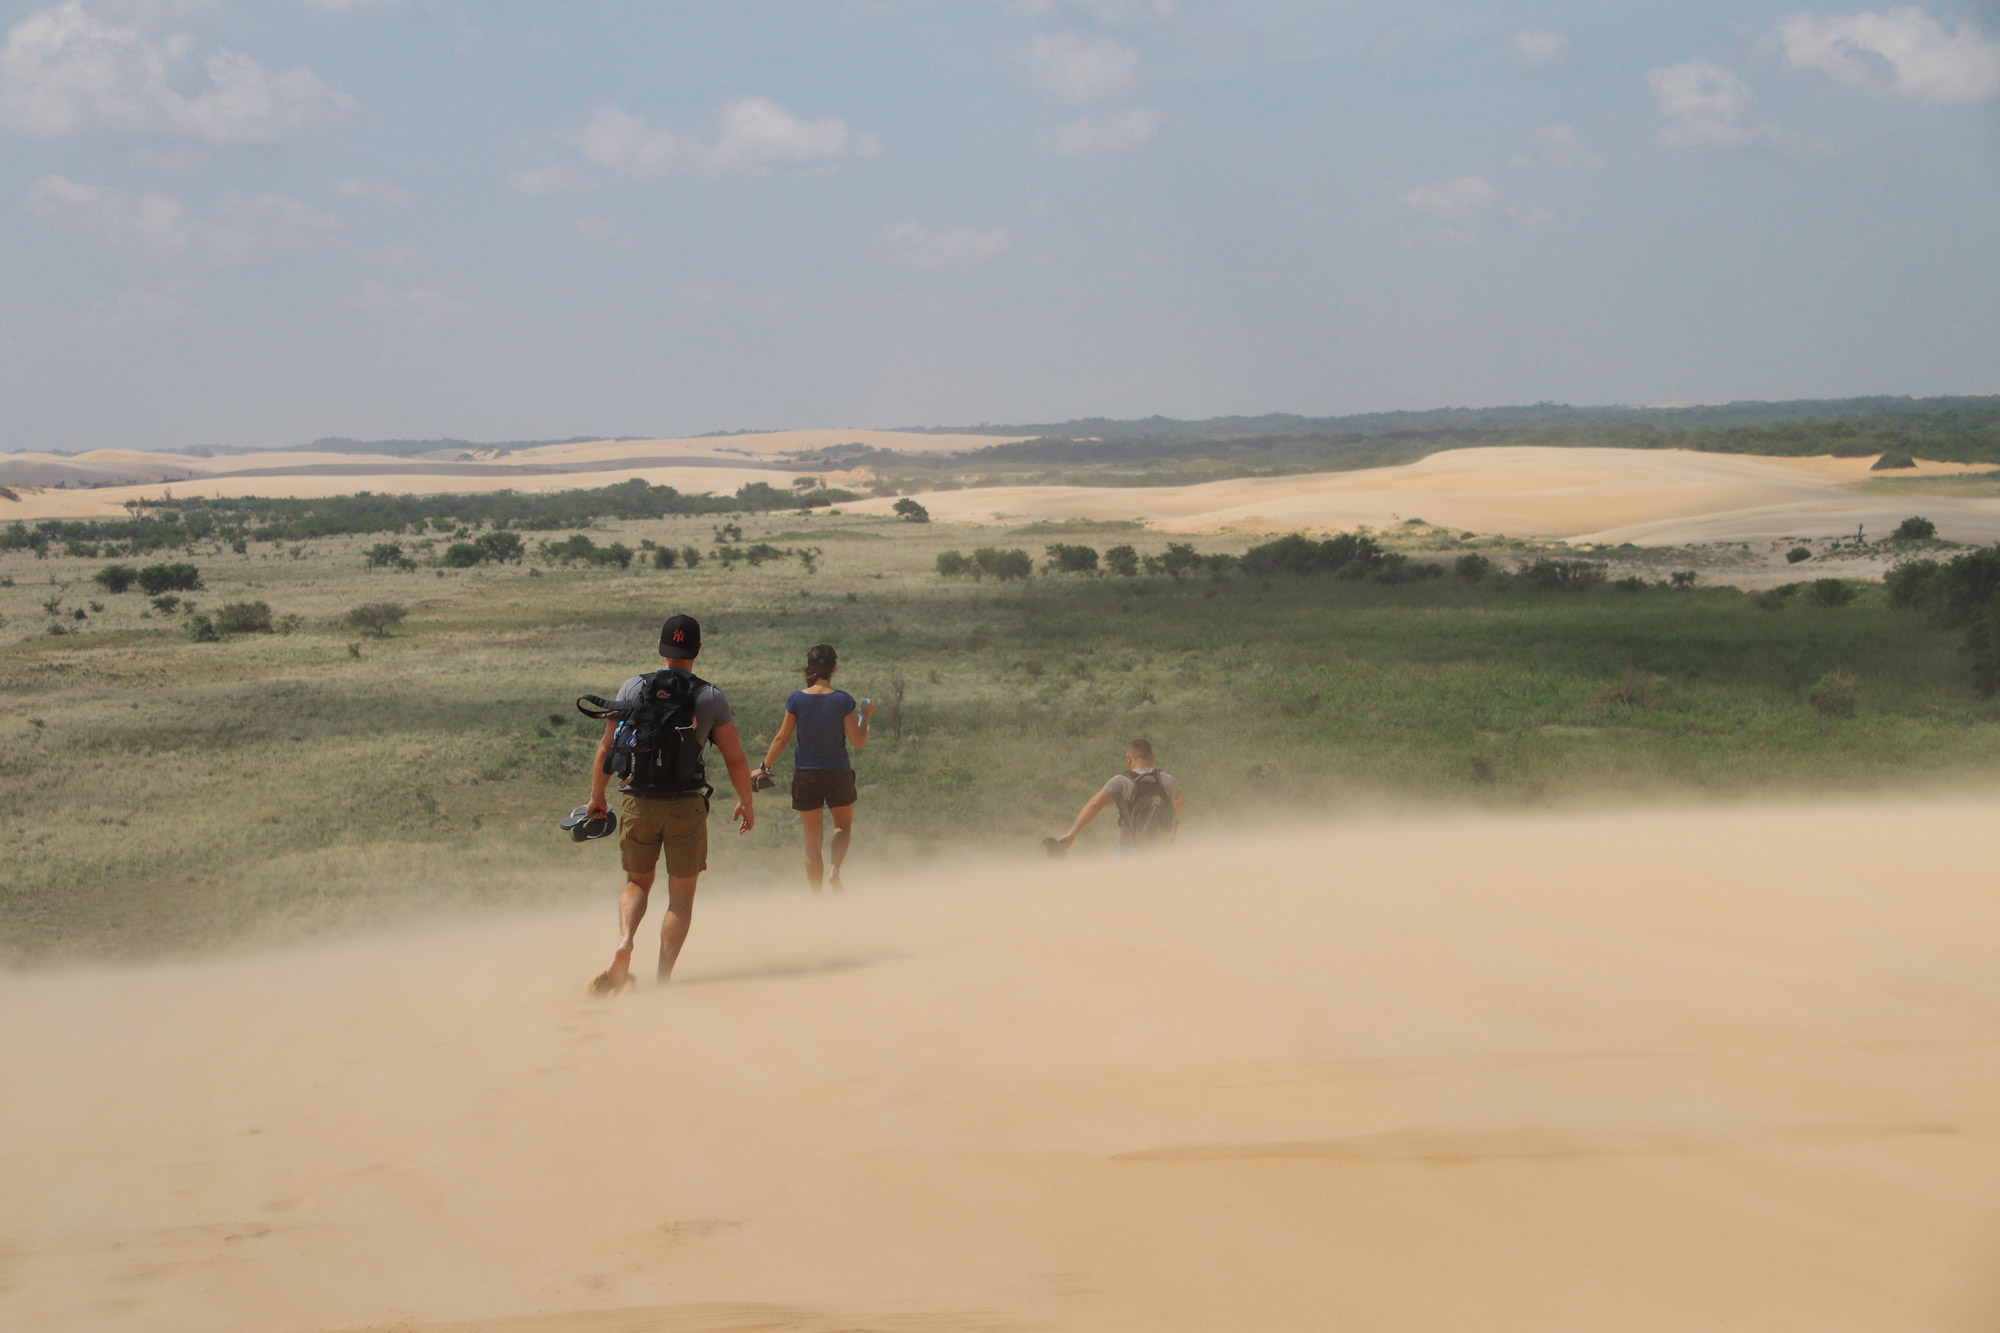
{"x":843,"y":834}
{"x":674,"y":930}
{"x":631,"y":911}
{"x":815,"y":830}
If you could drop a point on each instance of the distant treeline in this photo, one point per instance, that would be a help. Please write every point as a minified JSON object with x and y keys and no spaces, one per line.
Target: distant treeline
{"x":1963,"y":429}
{"x":164,"y":524}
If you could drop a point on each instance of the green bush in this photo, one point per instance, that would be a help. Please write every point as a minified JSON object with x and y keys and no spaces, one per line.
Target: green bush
{"x":1472,"y":566}
{"x":1836,"y":694}
{"x":1009,"y":564}
{"x":1798,"y":553}
{"x":908,"y":510}
{"x":1564,"y":575}
{"x":665,"y":557}
{"x":690,"y":556}
{"x":1066,"y":559}
{"x":156,"y":579}
{"x":1893,"y":458}
{"x":1829,"y":592}
{"x":382,"y":554}
{"x":460,"y":555}
{"x":1915,"y":530}
{"x":578,"y":547}
{"x":201,"y":629}
{"x":1122,"y":560}
{"x":618,"y":553}
{"x":116,"y":578}
{"x":954,"y":565}
{"x":244,"y":618}
{"x":377,"y":618}
{"x":166,"y":603}
{"x":1293,"y":554}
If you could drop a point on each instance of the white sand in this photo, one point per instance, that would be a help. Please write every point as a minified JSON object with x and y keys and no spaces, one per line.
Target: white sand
{"x":1649,"y":497}
{"x":1688,"y":1070}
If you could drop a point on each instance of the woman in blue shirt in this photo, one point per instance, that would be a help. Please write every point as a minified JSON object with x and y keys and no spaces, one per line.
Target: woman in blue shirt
{"x":826,"y":722}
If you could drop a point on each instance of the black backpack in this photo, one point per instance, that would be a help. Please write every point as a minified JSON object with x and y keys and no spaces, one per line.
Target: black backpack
{"x":1149,"y":816}
{"x":654,"y":751}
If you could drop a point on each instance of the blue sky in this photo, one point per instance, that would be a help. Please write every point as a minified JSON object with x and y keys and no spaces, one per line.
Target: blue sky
{"x":259,"y":223}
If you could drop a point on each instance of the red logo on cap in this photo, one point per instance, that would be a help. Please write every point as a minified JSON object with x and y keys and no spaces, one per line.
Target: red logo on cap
{"x":680,"y":636}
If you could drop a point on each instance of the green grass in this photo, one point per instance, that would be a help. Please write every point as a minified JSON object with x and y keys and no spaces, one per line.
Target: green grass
{"x":167,"y":796}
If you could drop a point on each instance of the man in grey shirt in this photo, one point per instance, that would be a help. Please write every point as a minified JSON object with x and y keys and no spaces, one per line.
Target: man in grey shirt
{"x":667,"y":823}
{"x":1142,"y":820}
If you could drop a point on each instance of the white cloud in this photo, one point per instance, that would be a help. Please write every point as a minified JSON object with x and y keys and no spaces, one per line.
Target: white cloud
{"x":1109,"y":13}
{"x":754,"y":136}
{"x":1705,"y":105}
{"x":1904,"y":51}
{"x":152,"y":224}
{"x":381,"y":192}
{"x":1455,"y":200}
{"x":62,"y":70}
{"x":1080,"y":68}
{"x":351,"y":6}
{"x":1538,"y":49}
{"x":1561,"y":147}
{"x":248,"y":229}
{"x":932,"y":251}
{"x":424,"y":307}
{"x":135,"y":308}
{"x":1109,"y":132}
{"x":758,"y":136}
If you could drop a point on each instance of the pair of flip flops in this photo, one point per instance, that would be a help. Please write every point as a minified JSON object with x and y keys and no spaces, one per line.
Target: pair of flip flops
{"x":582,"y":828}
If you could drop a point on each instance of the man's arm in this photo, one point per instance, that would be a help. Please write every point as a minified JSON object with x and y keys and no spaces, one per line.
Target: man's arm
{"x":1089,"y":812}
{"x":727,"y":741}
{"x":599,"y":779}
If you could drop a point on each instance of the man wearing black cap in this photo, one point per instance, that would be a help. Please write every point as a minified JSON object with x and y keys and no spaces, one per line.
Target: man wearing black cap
{"x":658,"y":823}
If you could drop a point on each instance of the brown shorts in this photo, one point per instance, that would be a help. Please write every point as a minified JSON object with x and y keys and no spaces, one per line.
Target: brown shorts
{"x":813,"y":788}
{"x":673,"y":826}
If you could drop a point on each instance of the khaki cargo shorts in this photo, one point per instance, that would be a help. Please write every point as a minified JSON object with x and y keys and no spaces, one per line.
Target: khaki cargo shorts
{"x":676,"y":826}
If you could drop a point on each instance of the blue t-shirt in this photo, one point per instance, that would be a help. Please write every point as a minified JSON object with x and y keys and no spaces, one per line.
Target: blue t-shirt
{"x":822,"y":732}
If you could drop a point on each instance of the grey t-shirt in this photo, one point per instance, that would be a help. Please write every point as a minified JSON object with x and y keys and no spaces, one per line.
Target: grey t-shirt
{"x":711,"y":709}
{"x":1120,"y":788}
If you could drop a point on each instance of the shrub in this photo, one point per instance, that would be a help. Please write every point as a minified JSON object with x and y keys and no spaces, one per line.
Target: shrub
{"x":240,"y":546}
{"x":1893,"y":458}
{"x":1829,"y":592}
{"x":1773,"y":599}
{"x":167,"y":603}
{"x":952,"y":565}
{"x":202,"y":630}
{"x":1636,"y":689}
{"x":665,"y":557}
{"x":577,"y":547}
{"x":460,"y":555}
{"x":1915,"y":530}
{"x":910,"y":511}
{"x":1067,"y":559}
{"x":1003,"y":565}
{"x":1472,"y":566}
{"x":1122,"y":560}
{"x":690,"y":557}
{"x":382,"y":554}
{"x":1683,"y":578}
{"x":1296,"y":554}
{"x":377,"y":618}
{"x":1564,"y":575}
{"x":618,"y":553}
{"x":244,"y":618}
{"x":1630,"y":583}
{"x":1180,"y":559}
{"x":1836,"y":694}
{"x":500,"y":547}
{"x":156,"y":579}
{"x":115,"y":578}
{"x":1798,"y":553}
{"x":761,"y":552}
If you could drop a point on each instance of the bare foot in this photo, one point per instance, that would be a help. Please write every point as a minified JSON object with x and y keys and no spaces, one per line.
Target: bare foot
{"x":614,"y":978}
{"x":833,"y":881}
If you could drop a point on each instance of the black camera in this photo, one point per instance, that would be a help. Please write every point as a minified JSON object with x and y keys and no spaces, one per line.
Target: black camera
{"x":761,"y":780}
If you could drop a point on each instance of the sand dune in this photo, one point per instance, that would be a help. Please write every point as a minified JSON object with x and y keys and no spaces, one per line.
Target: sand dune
{"x":1699,"y":1069}
{"x":697,"y":463}
{"x":1607,"y":496}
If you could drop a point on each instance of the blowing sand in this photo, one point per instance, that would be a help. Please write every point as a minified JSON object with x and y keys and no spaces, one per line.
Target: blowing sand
{"x":1717,"y":1070}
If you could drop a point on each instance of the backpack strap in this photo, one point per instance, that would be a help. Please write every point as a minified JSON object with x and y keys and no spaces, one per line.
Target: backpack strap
{"x":604,"y":708}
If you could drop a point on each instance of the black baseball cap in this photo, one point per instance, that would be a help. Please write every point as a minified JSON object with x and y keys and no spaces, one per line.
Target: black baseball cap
{"x":680,"y":637}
